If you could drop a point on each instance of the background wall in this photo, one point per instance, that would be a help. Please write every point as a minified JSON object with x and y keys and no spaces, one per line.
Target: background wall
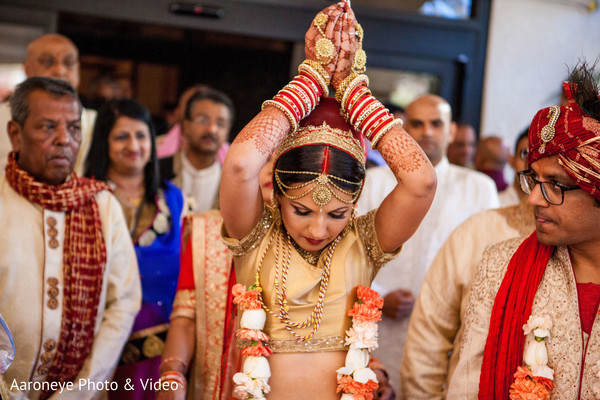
{"x":531,"y":47}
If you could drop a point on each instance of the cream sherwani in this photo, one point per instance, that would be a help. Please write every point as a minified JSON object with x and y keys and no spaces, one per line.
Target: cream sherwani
{"x":31,"y":266}
{"x":556,"y":297}
{"x":88,"y":118}
{"x":461,"y":192}
{"x":435,"y":324}
{"x":509,"y":196}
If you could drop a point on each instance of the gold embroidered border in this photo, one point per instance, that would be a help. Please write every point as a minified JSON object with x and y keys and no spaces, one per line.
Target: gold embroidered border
{"x":331,"y":343}
{"x":185,"y":298}
{"x":366,"y":231}
{"x":253,"y":239}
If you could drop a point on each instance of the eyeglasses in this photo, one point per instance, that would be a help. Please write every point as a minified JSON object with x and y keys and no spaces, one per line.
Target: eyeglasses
{"x":205,"y":121}
{"x":553,"y":192}
{"x":523,"y":153}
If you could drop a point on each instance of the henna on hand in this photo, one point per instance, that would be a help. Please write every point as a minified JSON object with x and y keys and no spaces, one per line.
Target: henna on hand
{"x":331,"y":31}
{"x":348,"y":46}
{"x":267,"y":130}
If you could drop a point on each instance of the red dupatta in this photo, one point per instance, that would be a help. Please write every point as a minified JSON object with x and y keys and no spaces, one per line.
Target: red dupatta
{"x":512,"y":307}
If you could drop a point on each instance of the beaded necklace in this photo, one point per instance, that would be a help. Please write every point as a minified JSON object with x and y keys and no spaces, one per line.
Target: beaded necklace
{"x":316,"y":315}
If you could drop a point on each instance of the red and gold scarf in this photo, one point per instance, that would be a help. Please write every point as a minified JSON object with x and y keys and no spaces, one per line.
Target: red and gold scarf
{"x":84,"y":260}
{"x":503,"y":351}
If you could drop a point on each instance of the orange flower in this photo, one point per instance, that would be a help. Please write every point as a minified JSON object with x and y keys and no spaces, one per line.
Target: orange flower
{"x":252,"y":334}
{"x":361,"y":391}
{"x":364,"y":313}
{"x":369,"y":296}
{"x":257,"y":350}
{"x":529,"y":387}
{"x":246,"y":299}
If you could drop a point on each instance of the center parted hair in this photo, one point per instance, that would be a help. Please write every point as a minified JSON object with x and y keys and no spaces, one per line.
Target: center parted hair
{"x":98,"y":161}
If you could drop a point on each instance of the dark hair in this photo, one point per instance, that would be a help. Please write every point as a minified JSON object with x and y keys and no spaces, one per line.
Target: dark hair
{"x":97,"y":163}
{"x":19,"y":100}
{"x":524,"y":133}
{"x":310,"y":158}
{"x":208,"y":93}
{"x":585,"y":87}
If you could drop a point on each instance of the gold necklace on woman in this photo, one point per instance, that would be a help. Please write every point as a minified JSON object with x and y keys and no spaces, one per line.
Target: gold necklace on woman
{"x":316,"y":315}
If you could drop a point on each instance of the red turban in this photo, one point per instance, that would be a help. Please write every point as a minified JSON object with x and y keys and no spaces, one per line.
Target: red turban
{"x":569,"y":133}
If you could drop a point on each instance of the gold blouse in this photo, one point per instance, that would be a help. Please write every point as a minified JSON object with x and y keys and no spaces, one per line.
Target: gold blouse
{"x":356,"y":260}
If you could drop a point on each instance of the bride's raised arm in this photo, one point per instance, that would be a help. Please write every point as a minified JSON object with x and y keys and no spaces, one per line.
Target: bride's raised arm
{"x":241,"y":201}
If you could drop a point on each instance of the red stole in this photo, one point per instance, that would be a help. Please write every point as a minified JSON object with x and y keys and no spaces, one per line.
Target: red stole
{"x":512,"y":307}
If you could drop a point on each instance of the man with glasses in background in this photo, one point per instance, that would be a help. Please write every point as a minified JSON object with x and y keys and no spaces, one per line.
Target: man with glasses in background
{"x":513,"y":194}
{"x":207,"y":121}
{"x":530,"y":323}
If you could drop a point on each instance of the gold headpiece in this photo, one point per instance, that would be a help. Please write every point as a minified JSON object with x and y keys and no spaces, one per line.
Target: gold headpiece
{"x":324,"y":188}
{"x":323,"y":134}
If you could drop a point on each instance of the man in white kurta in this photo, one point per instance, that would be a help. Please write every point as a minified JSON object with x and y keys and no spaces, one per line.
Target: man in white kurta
{"x":33,"y":253}
{"x":460,"y":193}
{"x":55,"y":56}
{"x":207,"y":121}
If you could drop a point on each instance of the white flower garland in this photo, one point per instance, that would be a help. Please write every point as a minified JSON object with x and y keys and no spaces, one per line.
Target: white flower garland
{"x":160,"y":225}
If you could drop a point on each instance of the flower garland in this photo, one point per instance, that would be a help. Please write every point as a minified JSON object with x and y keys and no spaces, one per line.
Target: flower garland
{"x":160,"y":225}
{"x":252,"y":383}
{"x":356,"y":380}
{"x":535,"y":379}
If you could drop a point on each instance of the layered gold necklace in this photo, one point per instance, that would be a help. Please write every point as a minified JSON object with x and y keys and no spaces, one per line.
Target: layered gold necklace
{"x":316,"y":316}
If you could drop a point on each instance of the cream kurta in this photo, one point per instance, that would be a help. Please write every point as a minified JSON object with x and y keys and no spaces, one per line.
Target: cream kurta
{"x":435,"y":324}
{"x":356,"y":260}
{"x":460,"y":193}
{"x":556,"y":297}
{"x":30,"y":267}
{"x":88,"y":117}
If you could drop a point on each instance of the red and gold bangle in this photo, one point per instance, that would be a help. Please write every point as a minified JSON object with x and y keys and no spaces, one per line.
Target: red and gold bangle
{"x":308,"y":88}
{"x":316,"y":71}
{"x":359,"y":107}
{"x":301,"y":97}
{"x":297,"y":99}
{"x":367,"y":112}
{"x":358,"y":80}
{"x":293,"y":100}
{"x":356,"y":94}
{"x":283,"y":108}
{"x":376,"y":118}
{"x":384,"y":129}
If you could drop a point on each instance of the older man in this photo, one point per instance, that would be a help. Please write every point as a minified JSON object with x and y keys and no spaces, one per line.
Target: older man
{"x":68,"y":274}
{"x":55,"y":56}
{"x":552,"y":276}
{"x":461,"y":193}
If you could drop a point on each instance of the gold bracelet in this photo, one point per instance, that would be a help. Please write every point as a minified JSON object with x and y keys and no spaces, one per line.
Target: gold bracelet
{"x":341,"y":90}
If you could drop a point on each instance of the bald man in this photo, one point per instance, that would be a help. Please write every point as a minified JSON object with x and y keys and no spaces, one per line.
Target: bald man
{"x":55,"y":56}
{"x":461,"y":192}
